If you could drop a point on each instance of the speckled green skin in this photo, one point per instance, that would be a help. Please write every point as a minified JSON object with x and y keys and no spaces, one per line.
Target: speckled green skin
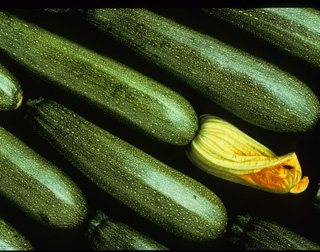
{"x":249,"y":87}
{"x":296,"y":30}
{"x":10,"y":90}
{"x":11,"y":239}
{"x":125,"y":94}
{"x":37,"y":187}
{"x":255,"y":233}
{"x":161,"y":194}
{"x":316,"y":198}
{"x":108,"y":234}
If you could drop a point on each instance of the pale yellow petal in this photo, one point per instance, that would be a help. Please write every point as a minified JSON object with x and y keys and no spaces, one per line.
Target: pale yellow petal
{"x":224,"y":151}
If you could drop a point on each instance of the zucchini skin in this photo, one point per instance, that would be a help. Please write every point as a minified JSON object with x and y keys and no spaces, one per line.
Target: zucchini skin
{"x":105,"y":233}
{"x":316,"y":198}
{"x":173,"y":201}
{"x":295,"y":30}
{"x":254,"y":90}
{"x":37,"y":187}
{"x":255,"y":233}
{"x":11,"y":239}
{"x":10,"y":90}
{"x":128,"y":96}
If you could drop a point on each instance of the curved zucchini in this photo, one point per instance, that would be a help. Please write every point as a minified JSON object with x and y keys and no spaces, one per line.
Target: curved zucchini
{"x":10,"y":90}
{"x":255,"y":233}
{"x":37,"y":187}
{"x":295,"y":30}
{"x":125,"y":94}
{"x":249,"y":87}
{"x":11,"y":239}
{"x":105,"y":233}
{"x":159,"y":193}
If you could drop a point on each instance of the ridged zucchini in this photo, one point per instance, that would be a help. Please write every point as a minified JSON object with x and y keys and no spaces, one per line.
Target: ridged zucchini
{"x":255,"y":233}
{"x":249,"y":87}
{"x":37,"y":187}
{"x":123,"y":93}
{"x":168,"y":198}
{"x":10,"y":90}
{"x":295,"y":30}
{"x":105,"y":233}
{"x":11,"y":239}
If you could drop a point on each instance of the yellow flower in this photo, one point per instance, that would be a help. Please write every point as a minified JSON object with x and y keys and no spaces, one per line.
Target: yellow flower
{"x":223,"y":150}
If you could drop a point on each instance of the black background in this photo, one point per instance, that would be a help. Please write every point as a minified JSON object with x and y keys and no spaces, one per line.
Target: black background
{"x":293,"y":211}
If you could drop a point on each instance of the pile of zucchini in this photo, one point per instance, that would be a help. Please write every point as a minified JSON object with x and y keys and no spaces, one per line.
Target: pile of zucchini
{"x":96,"y":152}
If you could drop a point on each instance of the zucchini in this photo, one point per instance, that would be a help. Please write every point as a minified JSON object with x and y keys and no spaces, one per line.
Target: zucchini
{"x":254,"y":90}
{"x":316,"y":198}
{"x":255,"y":233}
{"x":295,"y":30}
{"x":164,"y":196}
{"x":105,"y":233}
{"x":37,"y":187}
{"x":11,"y":239}
{"x":126,"y":95}
{"x":132,"y":98}
{"x":10,"y":90}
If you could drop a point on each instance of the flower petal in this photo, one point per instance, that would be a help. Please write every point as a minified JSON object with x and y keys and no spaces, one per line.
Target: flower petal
{"x":224,"y":151}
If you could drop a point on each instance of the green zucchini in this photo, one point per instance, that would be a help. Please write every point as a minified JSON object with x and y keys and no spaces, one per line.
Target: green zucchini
{"x":10,"y":90}
{"x":249,"y":87}
{"x":255,"y":233}
{"x":123,"y":93}
{"x":159,"y":193}
{"x":105,"y":233}
{"x":316,"y":198}
{"x":37,"y":187}
{"x":295,"y":30}
{"x":11,"y":239}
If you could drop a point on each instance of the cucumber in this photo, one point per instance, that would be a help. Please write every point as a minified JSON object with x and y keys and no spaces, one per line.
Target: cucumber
{"x":37,"y":187}
{"x":11,"y":239}
{"x":126,"y":95}
{"x":295,"y":30}
{"x":105,"y":233}
{"x":166,"y":197}
{"x":254,"y":90}
{"x":255,"y":233}
{"x":10,"y":90}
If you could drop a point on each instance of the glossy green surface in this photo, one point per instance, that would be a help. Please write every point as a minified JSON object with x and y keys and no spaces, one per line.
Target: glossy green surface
{"x":123,"y":93}
{"x":37,"y":187}
{"x":296,"y":30}
{"x":161,"y":194}
{"x":108,"y":234}
{"x":11,"y":239}
{"x":255,"y":233}
{"x":10,"y":90}
{"x":249,"y":87}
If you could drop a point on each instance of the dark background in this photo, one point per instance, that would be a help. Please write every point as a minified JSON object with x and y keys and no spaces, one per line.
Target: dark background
{"x":293,"y":211}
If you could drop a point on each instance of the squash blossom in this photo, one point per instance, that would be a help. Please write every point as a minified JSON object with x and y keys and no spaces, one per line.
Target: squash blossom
{"x":224,"y":151}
